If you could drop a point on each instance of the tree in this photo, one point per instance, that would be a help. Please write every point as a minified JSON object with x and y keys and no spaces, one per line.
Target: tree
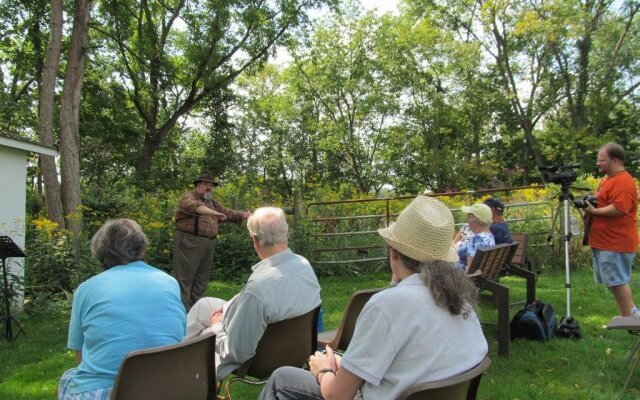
{"x":69,"y":111}
{"x":46,"y":105}
{"x":341,"y":73}
{"x":174,"y":55}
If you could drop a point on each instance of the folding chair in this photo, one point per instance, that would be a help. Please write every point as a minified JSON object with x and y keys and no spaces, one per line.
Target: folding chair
{"x":463,"y":386}
{"x":632,"y":325}
{"x":285,"y":343}
{"x":183,"y":371}
{"x":341,"y":337}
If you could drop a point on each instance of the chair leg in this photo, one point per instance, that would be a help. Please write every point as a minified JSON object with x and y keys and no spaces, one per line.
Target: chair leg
{"x":630,"y":355}
{"x":635,"y":364}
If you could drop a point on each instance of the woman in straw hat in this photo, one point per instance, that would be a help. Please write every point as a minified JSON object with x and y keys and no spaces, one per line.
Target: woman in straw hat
{"x":422,"y":329}
{"x":479,"y":218}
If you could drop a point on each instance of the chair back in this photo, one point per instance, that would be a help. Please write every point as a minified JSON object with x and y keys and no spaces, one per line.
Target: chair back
{"x":491,"y":261}
{"x":352,"y":311}
{"x":520,"y":256}
{"x":463,"y":386}
{"x":285,"y":343}
{"x":183,"y":371}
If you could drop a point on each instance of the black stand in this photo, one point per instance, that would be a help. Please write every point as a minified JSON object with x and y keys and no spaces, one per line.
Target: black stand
{"x":568,"y":328}
{"x":8,"y":248}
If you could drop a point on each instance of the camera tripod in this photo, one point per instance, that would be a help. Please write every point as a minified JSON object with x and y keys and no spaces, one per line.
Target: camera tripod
{"x":568,"y":328}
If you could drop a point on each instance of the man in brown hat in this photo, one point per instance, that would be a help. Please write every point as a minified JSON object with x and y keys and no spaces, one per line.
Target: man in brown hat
{"x":197,"y":219}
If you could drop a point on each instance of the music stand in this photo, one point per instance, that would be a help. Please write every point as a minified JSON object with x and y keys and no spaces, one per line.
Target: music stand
{"x":8,"y":248}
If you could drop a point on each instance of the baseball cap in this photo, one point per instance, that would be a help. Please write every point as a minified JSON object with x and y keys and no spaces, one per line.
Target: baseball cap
{"x":481,"y":211}
{"x":495,"y":203}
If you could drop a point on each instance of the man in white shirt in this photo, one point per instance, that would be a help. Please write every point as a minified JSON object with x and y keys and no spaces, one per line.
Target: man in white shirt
{"x":283,"y":285}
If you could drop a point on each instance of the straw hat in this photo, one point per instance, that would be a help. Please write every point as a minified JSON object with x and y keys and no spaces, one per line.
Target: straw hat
{"x":481,"y":211}
{"x":206,"y":176}
{"x":423,"y":231}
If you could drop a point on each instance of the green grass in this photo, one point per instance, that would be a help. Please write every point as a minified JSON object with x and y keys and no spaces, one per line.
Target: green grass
{"x":590,"y":368}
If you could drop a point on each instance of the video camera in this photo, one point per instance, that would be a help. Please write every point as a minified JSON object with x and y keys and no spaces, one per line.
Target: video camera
{"x":559,"y":174}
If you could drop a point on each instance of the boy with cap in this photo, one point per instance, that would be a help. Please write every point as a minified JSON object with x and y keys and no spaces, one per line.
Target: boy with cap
{"x":499,"y":227}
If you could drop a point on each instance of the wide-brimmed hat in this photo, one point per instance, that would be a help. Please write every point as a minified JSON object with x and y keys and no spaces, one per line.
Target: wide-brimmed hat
{"x":423,"y":231}
{"x":206,"y":176}
{"x":495,"y":203}
{"x":481,"y":211}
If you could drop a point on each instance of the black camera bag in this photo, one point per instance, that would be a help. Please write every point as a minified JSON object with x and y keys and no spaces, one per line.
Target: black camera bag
{"x":536,"y":321}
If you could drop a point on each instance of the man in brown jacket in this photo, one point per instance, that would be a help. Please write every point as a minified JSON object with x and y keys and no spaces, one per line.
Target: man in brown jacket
{"x":197,"y":219}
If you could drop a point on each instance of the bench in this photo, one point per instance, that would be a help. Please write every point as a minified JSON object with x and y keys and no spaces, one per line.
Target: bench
{"x":522,"y":257}
{"x":487,"y":266}
{"x":519,"y":261}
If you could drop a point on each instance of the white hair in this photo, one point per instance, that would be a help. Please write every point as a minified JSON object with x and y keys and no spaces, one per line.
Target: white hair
{"x":475,"y":219}
{"x":269,"y":226}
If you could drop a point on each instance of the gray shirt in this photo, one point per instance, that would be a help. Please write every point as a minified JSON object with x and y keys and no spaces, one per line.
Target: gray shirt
{"x":281,"y":287}
{"x":403,"y":338}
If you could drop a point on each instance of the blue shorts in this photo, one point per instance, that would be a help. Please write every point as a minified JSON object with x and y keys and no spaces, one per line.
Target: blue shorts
{"x":611,"y":268}
{"x":64,"y":389}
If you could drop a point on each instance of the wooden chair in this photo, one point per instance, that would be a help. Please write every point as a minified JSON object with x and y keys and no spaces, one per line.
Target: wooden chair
{"x":463,"y":386}
{"x":285,"y":343}
{"x":339,"y":339}
{"x":485,"y":270}
{"x":183,"y":371}
{"x":632,"y":325}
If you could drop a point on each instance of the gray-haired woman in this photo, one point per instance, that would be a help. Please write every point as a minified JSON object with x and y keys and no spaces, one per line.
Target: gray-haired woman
{"x":420,"y":330}
{"x":129,"y":306}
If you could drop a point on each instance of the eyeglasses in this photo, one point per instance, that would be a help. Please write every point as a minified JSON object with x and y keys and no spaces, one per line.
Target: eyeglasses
{"x":599,"y":161}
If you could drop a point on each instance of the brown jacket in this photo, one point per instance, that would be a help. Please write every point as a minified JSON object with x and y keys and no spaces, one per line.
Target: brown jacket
{"x":187,"y":220}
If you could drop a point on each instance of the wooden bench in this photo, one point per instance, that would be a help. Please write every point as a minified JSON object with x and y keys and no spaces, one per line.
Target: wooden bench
{"x":487,"y":266}
{"x":522,"y":257}
{"x":518,"y":263}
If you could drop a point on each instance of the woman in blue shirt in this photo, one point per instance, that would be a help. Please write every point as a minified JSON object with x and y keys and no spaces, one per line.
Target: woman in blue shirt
{"x":130,"y":306}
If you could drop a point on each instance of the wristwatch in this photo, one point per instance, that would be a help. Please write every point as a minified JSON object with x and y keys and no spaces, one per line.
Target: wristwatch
{"x":322,"y":372}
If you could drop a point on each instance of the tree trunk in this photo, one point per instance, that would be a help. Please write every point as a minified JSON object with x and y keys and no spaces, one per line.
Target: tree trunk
{"x":47,"y":93}
{"x":69,"y":111}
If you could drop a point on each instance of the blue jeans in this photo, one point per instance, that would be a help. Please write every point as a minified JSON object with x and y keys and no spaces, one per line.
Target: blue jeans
{"x":290,"y":383}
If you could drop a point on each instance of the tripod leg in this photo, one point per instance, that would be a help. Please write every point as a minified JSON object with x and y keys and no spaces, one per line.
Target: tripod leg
{"x":555,"y":216}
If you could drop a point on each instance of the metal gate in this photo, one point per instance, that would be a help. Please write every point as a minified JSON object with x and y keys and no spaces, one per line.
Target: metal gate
{"x":345,"y":231}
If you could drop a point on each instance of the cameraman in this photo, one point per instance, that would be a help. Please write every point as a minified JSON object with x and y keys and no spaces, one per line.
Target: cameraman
{"x":613,"y":236}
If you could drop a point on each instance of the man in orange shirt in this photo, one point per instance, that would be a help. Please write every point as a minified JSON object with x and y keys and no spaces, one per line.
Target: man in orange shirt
{"x":613,"y":236}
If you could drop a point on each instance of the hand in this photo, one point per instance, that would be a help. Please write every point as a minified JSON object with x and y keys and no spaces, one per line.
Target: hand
{"x":589,"y":208}
{"x":218,"y":215}
{"x":216,"y":316}
{"x":319,"y":361}
{"x":246,"y":214}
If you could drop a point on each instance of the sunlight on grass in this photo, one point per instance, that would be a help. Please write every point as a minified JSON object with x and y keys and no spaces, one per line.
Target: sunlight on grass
{"x":590,"y":368}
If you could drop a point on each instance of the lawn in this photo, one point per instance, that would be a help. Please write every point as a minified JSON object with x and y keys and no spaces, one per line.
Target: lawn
{"x":590,"y":368}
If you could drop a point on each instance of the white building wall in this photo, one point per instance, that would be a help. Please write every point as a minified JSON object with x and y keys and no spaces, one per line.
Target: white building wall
{"x":13,"y":182}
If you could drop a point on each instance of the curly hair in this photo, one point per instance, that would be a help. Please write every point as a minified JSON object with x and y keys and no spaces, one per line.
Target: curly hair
{"x":450,"y":288}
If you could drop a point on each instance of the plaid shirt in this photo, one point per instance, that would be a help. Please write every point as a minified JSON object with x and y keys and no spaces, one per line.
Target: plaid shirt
{"x":187,"y":220}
